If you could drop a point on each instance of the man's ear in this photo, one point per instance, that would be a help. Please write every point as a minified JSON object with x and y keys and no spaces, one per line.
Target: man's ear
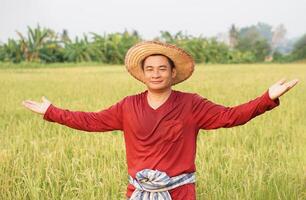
{"x":173,"y":73}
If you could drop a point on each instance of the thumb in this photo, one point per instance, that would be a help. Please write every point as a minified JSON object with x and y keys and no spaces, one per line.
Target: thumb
{"x":44,"y":99}
{"x":282,"y":81}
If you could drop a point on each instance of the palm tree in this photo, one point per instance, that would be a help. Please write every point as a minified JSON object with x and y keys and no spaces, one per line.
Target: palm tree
{"x":81,"y":50}
{"x":11,"y":51}
{"x":38,"y":39}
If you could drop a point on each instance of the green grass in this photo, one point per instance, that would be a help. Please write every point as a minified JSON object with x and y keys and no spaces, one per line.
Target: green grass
{"x":263,"y":159}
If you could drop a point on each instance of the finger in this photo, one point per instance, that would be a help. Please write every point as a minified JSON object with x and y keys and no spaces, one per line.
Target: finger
{"x":33,"y":107}
{"x":27,"y":103}
{"x":31,"y":102}
{"x":30,"y":105}
{"x":281,"y":81}
{"x":292,"y":83}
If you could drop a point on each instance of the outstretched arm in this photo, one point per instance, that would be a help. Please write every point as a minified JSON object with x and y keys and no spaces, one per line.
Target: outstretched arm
{"x":209,"y":115}
{"x":104,"y":120}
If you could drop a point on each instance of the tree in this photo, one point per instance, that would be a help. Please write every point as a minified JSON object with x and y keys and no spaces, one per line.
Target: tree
{"x":299,"y":49}
{"x":11,"y":51}
{"x":265,"y":30}
{"x":79,"y":51}
{"x":251,"y":40}
{"x":233,"y":36}
{"x":35,"y":46}
{"x":278,"y":36}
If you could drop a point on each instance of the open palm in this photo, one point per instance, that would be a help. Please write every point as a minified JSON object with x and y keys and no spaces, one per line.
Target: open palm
{"x":37,"y":107}
{"x":281,"y":87}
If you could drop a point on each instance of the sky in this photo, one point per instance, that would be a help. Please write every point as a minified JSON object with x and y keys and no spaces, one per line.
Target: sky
{"x":195,"y":17}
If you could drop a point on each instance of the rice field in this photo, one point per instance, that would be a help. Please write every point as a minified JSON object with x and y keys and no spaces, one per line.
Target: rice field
{"x":262,"y":160}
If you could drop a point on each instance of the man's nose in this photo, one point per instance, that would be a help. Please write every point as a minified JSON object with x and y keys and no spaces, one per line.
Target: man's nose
{"x":156,"y":73}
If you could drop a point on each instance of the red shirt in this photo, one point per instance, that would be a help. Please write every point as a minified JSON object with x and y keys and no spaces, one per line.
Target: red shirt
{"x":165,"y":138}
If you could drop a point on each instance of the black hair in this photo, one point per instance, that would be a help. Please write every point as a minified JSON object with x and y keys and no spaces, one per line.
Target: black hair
{"x":171,"y":63}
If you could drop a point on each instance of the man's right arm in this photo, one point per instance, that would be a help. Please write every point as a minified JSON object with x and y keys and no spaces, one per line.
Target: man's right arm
{"x":104,"y":120}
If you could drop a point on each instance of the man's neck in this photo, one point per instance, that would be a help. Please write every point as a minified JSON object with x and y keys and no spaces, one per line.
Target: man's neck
{"x":157,"y":98}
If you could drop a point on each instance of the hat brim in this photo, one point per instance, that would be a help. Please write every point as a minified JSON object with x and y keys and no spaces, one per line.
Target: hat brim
{"x":184,"y":63}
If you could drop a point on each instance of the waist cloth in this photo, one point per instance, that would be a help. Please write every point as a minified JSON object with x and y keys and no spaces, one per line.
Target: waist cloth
{"x":154,"y":184}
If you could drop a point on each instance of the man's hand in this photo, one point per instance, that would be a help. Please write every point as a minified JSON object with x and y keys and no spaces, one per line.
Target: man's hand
{"x":280,"y":88}
{"x":37,"y":107}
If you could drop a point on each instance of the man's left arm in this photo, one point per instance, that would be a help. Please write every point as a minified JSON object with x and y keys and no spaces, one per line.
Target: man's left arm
{"x":209,"y":115}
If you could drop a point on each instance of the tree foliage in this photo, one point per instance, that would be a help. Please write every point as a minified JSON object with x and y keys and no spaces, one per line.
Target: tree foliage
{"x":246,"y":45}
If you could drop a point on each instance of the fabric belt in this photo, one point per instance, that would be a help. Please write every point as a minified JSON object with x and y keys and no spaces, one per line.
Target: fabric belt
{"x":153,"y":184}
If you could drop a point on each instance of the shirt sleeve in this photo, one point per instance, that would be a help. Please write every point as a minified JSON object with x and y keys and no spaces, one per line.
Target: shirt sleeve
{"x":105,"y":120}
{"x":209,"y":115}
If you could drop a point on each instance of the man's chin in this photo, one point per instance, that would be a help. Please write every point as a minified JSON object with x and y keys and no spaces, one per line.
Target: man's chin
{"x":158,"y":87}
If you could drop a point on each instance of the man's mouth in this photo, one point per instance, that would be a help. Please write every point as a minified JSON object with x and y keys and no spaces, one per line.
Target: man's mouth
{"x":156,"y":82}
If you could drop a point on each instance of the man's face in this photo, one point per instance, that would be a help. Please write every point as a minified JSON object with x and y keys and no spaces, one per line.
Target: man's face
{"x":158,"y":73}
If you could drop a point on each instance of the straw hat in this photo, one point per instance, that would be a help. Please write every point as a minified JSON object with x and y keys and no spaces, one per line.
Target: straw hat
{"x":184,"y":63}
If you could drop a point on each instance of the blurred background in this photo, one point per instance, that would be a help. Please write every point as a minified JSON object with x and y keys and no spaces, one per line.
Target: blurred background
{"x":101,"y":31}
{"x":72,"y":52}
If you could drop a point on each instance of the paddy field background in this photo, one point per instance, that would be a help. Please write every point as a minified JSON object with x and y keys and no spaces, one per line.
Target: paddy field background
{"x":263,"y":159}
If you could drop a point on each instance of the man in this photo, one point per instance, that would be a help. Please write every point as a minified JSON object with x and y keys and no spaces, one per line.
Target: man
{"x":160,"y":125}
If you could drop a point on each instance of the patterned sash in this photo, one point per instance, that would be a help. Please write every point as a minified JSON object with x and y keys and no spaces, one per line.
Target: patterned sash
{"x":154,"y":184}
